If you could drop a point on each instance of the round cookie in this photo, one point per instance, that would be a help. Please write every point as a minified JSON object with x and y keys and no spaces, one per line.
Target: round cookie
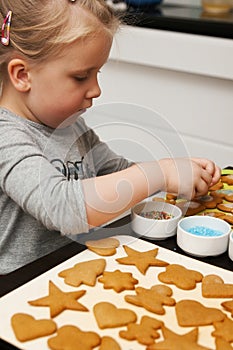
{"x":228,"y":179}
{"x":190,"y":207}
{"x":228,"y":207}
{"x":226,"y":194}
{"x":217,"y":186}
{"x":228,"y":218}
{"x":210,"y":202}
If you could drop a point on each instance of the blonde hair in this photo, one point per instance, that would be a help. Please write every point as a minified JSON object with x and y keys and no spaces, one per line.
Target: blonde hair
{"x":41,"y":28}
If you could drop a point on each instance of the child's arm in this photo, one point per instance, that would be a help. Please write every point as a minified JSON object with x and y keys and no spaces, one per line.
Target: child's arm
{"x":32,"y":183}
{"x":108,"y":196}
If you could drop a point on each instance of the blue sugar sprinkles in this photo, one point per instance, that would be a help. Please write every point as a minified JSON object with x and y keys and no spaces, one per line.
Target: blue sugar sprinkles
{"x":204,"y":231}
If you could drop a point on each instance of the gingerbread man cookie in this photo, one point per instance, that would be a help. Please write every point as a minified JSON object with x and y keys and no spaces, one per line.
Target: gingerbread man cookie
{"x":145,"y":332}
{"x":152,"y":299}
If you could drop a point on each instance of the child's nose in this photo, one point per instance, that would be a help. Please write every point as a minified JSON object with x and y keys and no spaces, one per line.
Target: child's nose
{"x":94,"y":90}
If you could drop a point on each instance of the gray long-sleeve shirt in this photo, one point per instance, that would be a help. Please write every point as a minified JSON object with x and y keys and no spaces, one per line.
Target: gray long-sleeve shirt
{"x":41,"y":197}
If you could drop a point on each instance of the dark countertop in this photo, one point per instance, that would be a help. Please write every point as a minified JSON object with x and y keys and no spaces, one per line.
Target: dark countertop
{"x":183,"y":19}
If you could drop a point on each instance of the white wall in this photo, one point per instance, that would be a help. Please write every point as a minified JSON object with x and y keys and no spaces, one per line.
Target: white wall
{"x":182,"y":87}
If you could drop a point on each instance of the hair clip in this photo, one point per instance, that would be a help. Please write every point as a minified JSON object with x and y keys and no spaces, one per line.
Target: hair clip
{"x":5,"y":39}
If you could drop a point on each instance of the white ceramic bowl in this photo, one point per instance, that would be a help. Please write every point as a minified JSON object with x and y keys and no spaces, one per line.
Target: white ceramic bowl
{"x":230,"y":249}
{"x":200,"y":245}
{"x":152,"y":228}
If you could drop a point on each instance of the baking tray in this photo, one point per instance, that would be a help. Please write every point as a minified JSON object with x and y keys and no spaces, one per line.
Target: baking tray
{"x":17,"y":300}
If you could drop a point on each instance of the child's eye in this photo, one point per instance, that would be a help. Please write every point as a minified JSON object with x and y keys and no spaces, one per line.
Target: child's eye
{"x":81,"y":78}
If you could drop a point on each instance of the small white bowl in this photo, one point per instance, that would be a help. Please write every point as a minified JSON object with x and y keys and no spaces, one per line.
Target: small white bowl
{"x":152,"y":228}
{"x":230,"y":248}
{"x":199,"y":245}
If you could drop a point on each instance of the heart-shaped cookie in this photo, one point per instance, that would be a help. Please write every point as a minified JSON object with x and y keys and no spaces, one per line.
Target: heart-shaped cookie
{"x":214,"y":287}
{"x":72,"y":338}
{"x":26,"y":327}
{"x":191,"y":313}
{"x":109,"y":316}
{"x":109,"y":343}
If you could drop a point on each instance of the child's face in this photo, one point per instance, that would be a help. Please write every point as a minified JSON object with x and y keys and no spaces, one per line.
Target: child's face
{"x":67,"y":84}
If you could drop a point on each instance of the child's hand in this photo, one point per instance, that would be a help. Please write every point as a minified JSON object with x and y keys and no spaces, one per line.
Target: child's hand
{"x":189,"y":177}
{"x":211,"y":167}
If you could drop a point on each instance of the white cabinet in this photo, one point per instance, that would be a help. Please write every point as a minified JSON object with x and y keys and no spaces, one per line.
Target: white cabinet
{"x":169,"y":93}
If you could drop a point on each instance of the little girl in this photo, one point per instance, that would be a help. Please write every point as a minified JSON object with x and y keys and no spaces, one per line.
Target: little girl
{"x":57,"y":177}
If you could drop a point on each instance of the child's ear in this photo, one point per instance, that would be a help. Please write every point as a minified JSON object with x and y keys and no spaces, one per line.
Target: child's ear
{"x":19,"y":75}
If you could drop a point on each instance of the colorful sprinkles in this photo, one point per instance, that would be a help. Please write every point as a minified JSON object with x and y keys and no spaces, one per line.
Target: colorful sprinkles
{"x":156,"y":215}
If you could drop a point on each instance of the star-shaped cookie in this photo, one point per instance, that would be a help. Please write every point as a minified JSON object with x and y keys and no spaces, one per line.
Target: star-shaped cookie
{"x":142,"y":260}
{"x":118,"y":280}
{"x":58,"y":301}
{"x":174,"y":341}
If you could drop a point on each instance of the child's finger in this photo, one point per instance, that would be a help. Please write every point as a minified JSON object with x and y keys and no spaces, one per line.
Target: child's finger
{"x":216,"y":175}
{"x":207,"y":177}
